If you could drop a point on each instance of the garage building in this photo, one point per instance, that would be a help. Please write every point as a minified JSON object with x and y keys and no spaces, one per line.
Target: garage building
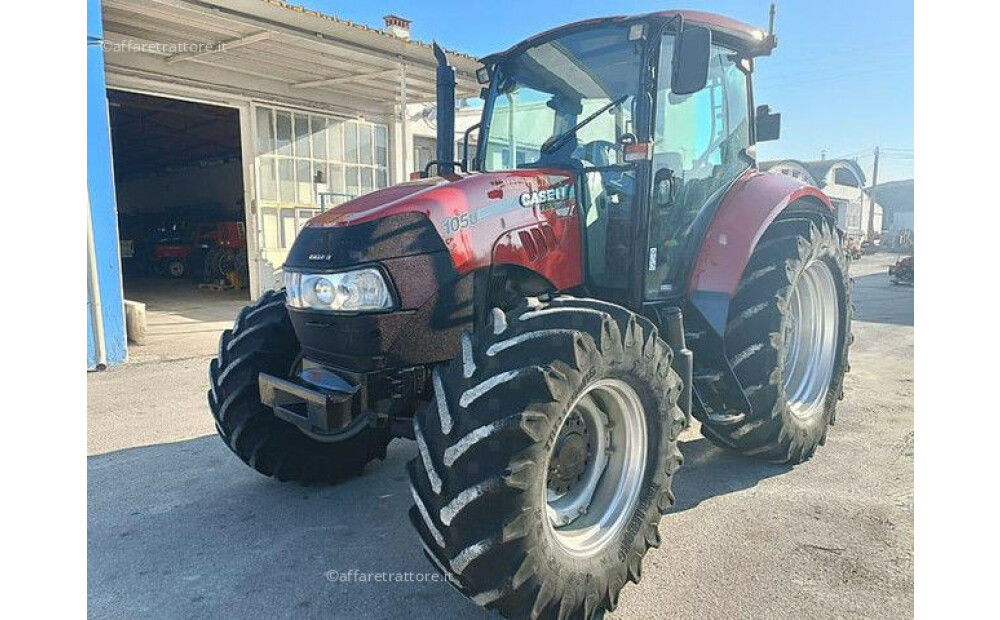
{"x":217,"y":128}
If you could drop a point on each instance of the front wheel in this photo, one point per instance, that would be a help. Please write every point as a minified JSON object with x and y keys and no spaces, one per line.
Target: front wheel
{"x":545,"y":461}
{"x":787,"y":338}
{"x":262,"y":340}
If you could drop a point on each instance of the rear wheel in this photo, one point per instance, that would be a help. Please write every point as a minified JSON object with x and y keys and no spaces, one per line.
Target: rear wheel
{"x":787,"y":340}
{"x":546,"y":459}
{"x":262,"y":340}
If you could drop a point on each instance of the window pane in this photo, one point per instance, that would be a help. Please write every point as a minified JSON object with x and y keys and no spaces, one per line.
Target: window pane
{"x":286,"y":181}
{"x":265,"y":131}
{"x":288,"y":228}
{"x":381,"y":145}
{"x":367,"y":184}
{"x":700,"y":139}
{"x":319,"y":138}
{"x":351,"y":142}
{"x":270,"y":224}
{"x":284,"y":126}
{"x":319,"y":171}
{"x":381,"y":178}
{"x":301,"y":135}
{"x":335,"y":184}
{"x":304,"y":216}
{"x":336,"y":141}
{"x":351,"y":182}
{"x":268,"y":179}
{"x":303,"y":179}
{"x":365,"y":143}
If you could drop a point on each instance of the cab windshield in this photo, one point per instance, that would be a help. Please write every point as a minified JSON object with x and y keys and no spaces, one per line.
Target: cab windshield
{"x":540,"y":94}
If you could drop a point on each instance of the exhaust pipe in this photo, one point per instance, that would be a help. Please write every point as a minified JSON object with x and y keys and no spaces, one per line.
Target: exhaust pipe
{"x":445,"y":113}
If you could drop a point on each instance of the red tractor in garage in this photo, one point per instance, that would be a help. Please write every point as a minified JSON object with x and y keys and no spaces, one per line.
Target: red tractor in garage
{"x":545,"y":316}
{"x":213,"y":249}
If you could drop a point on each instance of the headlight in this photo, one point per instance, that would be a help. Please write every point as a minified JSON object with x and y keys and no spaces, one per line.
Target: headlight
{"x":349,"y":291}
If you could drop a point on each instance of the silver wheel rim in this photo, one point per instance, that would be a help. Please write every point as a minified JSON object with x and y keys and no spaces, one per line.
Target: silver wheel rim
{"x":595,"y":467}
{"x":811,"y":331}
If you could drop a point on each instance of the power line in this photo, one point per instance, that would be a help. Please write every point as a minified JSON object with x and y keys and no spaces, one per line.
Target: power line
{"x":857,"y":153}
{"x":870,"y":152}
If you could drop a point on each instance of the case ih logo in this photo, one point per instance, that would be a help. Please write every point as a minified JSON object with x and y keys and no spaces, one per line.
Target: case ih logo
{"x":552,"y":199}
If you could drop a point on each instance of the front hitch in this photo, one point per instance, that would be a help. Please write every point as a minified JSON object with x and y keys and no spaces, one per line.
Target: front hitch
{"x":321,"y":403}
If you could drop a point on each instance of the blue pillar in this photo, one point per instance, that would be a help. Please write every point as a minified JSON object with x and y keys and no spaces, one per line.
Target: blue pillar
{"x":109,"y":313}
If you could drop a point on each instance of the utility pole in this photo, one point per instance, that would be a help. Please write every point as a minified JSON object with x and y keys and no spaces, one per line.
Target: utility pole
{"x":871,"y":199}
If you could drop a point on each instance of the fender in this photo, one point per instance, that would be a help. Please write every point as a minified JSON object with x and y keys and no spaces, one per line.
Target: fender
{"x":745,"y":212}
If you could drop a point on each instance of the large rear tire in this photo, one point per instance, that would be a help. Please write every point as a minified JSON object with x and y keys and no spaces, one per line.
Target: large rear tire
{"x":546,"y":459}
{"x":262,"y":340}
{"x":787,"y":338}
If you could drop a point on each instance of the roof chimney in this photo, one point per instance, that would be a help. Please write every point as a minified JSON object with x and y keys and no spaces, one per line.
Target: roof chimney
{"x":397,"y":26}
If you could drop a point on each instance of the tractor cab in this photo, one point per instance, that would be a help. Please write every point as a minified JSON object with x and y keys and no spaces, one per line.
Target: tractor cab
{"x":654,"y":116}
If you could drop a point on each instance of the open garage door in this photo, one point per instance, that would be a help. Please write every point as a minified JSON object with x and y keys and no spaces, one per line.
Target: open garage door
{"x":182,"y":227}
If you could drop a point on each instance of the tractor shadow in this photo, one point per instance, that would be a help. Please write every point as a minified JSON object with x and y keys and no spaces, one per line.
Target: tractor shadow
{"x":877,"y":300}
{"x":709,"y":471}
{"x":186,"y":530}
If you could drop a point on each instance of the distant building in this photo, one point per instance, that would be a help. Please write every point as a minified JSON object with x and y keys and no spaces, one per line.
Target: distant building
{"x":896,"y":199}
{"x":843,"y":181}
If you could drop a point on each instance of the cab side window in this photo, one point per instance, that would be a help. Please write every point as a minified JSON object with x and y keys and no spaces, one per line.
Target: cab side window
{"x":700,"y":144}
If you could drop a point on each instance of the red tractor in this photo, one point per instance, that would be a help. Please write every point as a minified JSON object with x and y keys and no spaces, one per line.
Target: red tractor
{"x":545,"y":317}
{"x":213,"y":248}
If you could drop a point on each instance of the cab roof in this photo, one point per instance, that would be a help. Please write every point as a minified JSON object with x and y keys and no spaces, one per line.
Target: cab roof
{"x":751,"y":40}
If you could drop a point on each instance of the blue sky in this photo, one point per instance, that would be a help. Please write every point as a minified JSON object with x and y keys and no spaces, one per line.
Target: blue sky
{"x":842,"y":75}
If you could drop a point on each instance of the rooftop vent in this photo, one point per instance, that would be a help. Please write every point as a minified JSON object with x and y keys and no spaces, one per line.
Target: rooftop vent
{"x":397,"y":26}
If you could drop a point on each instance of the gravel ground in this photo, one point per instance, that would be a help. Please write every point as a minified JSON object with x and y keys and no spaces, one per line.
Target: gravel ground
{"x":177,"y":527}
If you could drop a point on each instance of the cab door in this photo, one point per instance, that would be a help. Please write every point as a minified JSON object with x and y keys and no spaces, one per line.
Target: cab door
{"x":699,"y":148}
{"x":611,"y":213}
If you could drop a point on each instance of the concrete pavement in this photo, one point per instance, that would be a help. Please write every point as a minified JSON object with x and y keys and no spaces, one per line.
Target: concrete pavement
{"x":179,"y":528}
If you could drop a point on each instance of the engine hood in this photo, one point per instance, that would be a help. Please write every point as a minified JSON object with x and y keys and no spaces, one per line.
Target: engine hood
{"x":441,"y":197}
{"x":470,"y":221}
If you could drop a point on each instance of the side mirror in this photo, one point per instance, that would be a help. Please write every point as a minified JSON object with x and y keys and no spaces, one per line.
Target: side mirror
{"x":692,"y":51}
{"x":664,"y":188}
{"x":767,"y":125}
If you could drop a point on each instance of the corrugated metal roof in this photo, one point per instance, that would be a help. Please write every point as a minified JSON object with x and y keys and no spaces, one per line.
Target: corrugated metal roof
{"x":359,"y":26}
{"x":268,"y":49}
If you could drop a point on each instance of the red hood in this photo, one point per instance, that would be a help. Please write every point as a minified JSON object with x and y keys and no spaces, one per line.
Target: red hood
{"x":528,"y":217}
{"x":440,"y":197}
{"x":377,"y":204}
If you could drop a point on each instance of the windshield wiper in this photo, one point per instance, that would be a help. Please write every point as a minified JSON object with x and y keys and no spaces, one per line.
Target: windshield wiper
{"x":553,"y":143}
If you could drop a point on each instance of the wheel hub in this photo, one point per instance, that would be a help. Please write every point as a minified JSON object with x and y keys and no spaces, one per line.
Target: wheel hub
{"x":570,"y":456}
{"x":596,"y":466}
